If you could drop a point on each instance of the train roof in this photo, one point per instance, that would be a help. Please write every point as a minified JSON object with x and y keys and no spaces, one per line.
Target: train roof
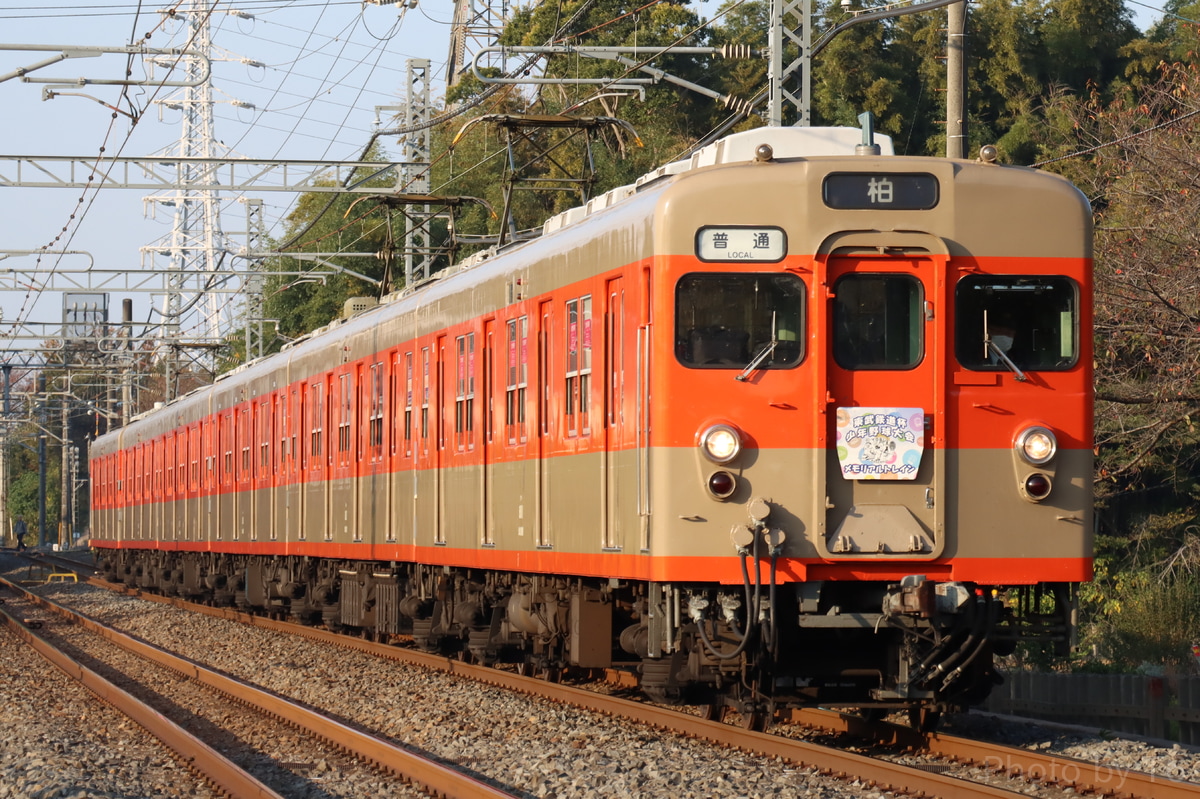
{"x":741,"y":147}
{"x":785,"y":143}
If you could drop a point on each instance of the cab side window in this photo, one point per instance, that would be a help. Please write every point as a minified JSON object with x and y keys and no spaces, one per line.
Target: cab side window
{"x":1028,"y":321}
{"x":726,"y":320}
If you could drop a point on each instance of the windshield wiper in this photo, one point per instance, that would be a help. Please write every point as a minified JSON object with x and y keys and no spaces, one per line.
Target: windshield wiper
{"x":1004,"y":359}
{"x":992,"y":347}
{"x":761,"y":355}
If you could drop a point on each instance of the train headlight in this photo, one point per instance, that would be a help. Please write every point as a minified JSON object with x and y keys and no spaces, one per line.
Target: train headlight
{"x":721,"y":443}
{"x":1037,"y":445}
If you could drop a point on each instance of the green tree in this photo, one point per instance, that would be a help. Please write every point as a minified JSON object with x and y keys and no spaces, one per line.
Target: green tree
{"x":1134,"y":163}
{"x":308,"y":287}
{"x":665,"y":119}
{"x":1083,"y":41}
{"x":1172,"y":40}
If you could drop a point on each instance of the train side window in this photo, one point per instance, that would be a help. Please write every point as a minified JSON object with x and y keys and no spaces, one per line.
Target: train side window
{"x":878,"y":321}
{"x":408,"y":402}
{"x":295,"y":422}
{"x":245,"y":422}
{"x":516,"y":378}
{"x":579,"y":364}
{"x":265,"y":418}
{"x":315,"y":419}
{"x":375,"y":429}
{"x":571,"y":398}
{"x":227,"y":439}
{"x":346,"y":415}
{"x":282,"y":430}
{"x":425,"y":398}
{"x":169,"y":463}
{"x":464,"y":393}
{"x":1032,"y":321}
{"x":726,"y":320}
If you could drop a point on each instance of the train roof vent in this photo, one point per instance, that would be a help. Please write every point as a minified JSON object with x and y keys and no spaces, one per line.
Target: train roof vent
{"x":356,"y":305}
{"x":573,"y":215}
{"x":476,"y":258}
{"x":785,"y":142}
{"x":738,"y":147}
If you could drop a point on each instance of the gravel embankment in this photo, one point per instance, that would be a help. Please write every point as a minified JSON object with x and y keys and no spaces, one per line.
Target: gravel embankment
{"x":525,"y":744}
{"x":58,"y":740}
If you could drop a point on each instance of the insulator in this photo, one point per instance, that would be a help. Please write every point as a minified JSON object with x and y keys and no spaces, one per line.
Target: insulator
{"x":737,"y":104}
{"x":737,"y":51}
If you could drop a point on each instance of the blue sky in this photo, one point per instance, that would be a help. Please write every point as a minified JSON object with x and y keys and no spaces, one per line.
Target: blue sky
{"x":324,"y":69}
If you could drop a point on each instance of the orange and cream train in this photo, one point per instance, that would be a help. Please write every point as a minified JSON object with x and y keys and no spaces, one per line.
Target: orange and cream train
{"x":789,"y":422}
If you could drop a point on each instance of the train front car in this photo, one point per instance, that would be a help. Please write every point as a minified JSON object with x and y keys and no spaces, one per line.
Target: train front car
{"x":871,"y":416}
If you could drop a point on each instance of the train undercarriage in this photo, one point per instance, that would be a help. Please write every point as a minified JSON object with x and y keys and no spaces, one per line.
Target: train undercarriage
{"x":917,"y":645}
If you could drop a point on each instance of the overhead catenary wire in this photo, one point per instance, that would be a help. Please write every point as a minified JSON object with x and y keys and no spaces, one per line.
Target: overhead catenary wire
{"x":75,"y":219}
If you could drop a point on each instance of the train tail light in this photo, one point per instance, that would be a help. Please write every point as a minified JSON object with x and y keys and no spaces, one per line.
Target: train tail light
{"x":721,"y":484}
{"x":1037,"y":486}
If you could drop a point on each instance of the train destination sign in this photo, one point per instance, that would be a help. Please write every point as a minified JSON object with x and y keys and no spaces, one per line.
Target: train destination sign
{"x":858,"y":191}
{"x":738,"y":243}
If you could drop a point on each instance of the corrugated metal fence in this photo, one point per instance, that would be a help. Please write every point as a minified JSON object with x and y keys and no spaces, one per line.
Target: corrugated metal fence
{"x":1159,"y":707}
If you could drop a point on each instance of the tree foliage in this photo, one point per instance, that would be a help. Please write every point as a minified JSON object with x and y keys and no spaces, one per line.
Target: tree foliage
{"x":337,"y":246}
{"x":1136,"y":163}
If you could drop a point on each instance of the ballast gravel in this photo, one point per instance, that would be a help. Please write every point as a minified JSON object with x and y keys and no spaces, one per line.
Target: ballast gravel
{"x":58,"y":740}
{"x":523,"y":744}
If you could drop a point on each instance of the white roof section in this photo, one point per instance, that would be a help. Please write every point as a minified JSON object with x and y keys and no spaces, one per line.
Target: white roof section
{"x":738,"y":147}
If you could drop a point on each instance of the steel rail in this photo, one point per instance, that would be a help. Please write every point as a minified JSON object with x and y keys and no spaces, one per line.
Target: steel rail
{"x":1081,"y":775}
{"x":198,"y":756}
{"x":882,"y":774}
{"x":432,"y":776}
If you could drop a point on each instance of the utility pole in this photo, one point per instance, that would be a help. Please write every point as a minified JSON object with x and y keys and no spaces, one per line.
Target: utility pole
{"x":475,"y":22}
{"x":126,"y":362}
{"x":6,"y":377}
{"x":64,"y":505}
{"x":41,"y":423}
{"x":956,"y":79}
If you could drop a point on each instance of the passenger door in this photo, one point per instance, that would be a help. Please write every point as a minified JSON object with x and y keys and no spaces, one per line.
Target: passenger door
{"x":884,"y":399}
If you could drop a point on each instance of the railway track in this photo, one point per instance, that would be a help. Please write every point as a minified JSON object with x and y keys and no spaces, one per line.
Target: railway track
{"x":154,"y":698}
{"x":1052,"y":774}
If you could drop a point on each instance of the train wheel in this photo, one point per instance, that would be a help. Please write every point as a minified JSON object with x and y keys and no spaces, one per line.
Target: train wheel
{"x":714,"y":711}
{"x":755,"y":719}
{"x":924,"y":719}
{"x":756,"y":716}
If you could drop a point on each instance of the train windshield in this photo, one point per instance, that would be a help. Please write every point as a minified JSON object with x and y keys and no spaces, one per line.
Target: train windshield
{"x":725,"y":321}
{"x":1030,"y":322}
{"x":877,"y":321}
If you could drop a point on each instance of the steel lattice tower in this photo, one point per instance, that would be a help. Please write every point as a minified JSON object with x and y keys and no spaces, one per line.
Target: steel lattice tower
{"x":195,"y":251}
{"x":476,"y":24}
